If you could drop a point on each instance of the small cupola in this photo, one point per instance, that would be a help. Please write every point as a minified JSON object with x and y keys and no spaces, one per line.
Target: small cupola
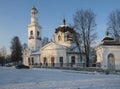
{"x":34,"y":10}
{"x":107,"y":37}
{"x":34,"y":15}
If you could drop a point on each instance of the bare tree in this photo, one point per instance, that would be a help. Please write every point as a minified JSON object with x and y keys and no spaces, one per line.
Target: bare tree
{"x":45,"y":41}
{"x":114,"y":23}
{"x":16,"y":50}
{"x":78,"y":41}
{"x":84,"y":23}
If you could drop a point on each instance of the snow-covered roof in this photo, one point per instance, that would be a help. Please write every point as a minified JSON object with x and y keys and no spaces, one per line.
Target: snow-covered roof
{"x":63,"y":26}
{"x":36,"y":52}
{"x":107,"y":38}
{"x":53,"y":45}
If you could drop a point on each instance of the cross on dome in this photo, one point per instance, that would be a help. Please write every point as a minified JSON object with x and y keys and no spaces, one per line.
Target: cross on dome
{"x":64,"y":21}
{"x":107,"y":33}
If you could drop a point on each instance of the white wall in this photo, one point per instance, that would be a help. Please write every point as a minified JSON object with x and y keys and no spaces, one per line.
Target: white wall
{"x":102,"y":55}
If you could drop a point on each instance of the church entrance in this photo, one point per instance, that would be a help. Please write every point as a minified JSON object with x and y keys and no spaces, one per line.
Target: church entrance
{"x":52,"y":61}
{"x":111,"y":63}
{"x":45,"y":62}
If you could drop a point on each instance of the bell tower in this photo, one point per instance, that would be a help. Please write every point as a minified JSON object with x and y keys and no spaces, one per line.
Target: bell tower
{"x":34,"y":31}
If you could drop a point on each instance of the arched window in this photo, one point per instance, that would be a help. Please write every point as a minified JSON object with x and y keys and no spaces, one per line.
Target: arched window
{"x":29,"y":61}
{"x":52,"y":61}
{"x":45,"y":60}
{"x":68,"y":37}
{"x":110,"y":56}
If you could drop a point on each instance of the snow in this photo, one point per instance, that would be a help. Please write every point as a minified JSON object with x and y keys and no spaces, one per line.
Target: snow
{"x":63,"y":26}
{"x":38,"y":78}
{"x":36,"y":52}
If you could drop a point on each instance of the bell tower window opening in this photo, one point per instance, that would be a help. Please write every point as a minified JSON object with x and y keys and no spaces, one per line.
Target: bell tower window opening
{"x":38,"y":33}
{"x":31,"y":32}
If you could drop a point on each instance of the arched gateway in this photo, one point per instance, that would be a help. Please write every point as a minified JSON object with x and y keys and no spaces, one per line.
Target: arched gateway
{"x":111,"y":63}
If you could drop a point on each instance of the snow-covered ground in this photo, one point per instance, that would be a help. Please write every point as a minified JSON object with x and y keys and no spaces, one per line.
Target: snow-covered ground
{"x":11,"y":78}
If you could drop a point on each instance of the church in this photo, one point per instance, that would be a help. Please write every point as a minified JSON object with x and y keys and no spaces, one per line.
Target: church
{"x":61,"y":52}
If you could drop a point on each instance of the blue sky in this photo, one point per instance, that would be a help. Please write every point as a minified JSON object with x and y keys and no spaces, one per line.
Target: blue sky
{"x":15,"y":16}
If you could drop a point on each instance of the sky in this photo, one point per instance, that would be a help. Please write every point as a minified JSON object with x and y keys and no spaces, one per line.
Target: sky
{"x":15,"y":16}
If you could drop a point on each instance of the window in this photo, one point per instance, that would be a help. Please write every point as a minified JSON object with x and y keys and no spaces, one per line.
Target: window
{"x":45,"y":60}
{"x":111,"y":62}
{"x":29,"y":61}
{"x":61,"y":60}
{"x":52,"y":61}
{"x":31,"y":32}
{"x":59,"y":38}
{"x":38,"y":33}
{"x":31,"y":35}
{"x":73,"y":59}
{"x":68,"y":37}
{"x":32,"y":60}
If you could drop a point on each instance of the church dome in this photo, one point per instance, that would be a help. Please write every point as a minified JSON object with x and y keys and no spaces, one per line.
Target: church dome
{"x":64,"y":28}
{"x":34,"y":10}
{"x":107,"y":37}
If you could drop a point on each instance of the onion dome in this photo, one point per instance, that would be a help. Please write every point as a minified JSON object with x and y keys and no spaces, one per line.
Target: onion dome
{"x":34,"y":10}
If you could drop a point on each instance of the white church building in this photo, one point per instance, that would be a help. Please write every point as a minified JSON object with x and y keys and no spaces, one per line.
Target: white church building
{"x":108,"y":53}
{"x":60,"y":52}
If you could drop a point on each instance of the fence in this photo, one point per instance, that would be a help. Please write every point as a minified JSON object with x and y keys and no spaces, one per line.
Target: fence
{"x":71,"y":65}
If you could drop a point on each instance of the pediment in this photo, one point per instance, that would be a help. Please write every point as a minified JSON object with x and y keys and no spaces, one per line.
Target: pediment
{"x":53,"y":45}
